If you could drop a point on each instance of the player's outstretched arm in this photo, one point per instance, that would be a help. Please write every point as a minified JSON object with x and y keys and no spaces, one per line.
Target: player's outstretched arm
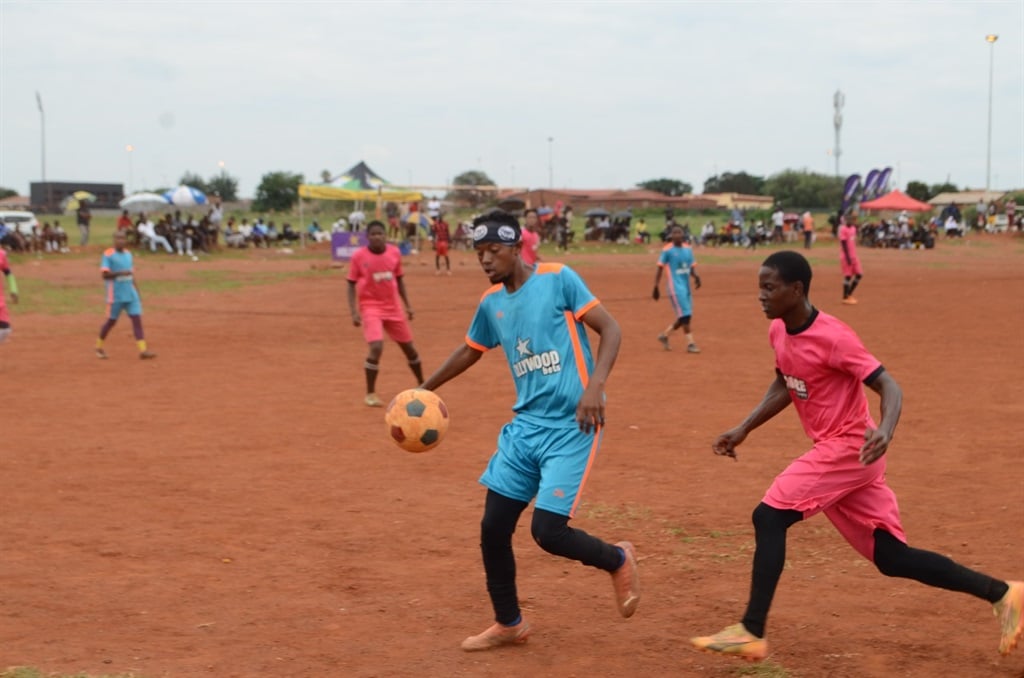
{"x":590,"y":409}
{"x":774,"y":401}
{"x":657,"y":285}
{"x":876,"y":441}
{"x":458,"y":362}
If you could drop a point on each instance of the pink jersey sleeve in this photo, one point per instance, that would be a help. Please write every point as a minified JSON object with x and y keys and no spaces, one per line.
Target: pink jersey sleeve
{"x":354,"y":269}
{"x":850,"y":355}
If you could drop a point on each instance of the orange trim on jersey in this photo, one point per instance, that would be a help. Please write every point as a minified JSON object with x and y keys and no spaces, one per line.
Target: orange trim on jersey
{"x":586,"y":307}
{"x":549,"y":267}
{"x":490,"y":290}
{"x":109,"y":251}
{"x":577,"y":348}
{"x":586,"y":472}
{"x":473,"y":344}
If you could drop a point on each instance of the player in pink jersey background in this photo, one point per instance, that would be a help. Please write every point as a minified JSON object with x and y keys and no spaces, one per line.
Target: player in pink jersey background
{"x":375,"y":287}
{"x":848,"y":260}
{"x":820,"y":367}
{"x":530,"y":237}
{"x":12,"y":285}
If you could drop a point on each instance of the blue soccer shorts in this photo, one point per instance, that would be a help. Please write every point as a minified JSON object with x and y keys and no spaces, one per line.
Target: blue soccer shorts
{"x":130,"y":307}
{"x":551,"y":464}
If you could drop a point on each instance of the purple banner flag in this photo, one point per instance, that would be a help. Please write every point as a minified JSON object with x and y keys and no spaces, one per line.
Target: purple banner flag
{"x":882,"y":184}
{"x":870,"y":185}
{"x":344,"y":244}
{"x":850,"y":190}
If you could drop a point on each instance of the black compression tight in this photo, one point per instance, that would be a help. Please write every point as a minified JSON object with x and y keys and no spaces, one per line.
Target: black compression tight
{"x":550,"y":530}
{"x":893,"y":558}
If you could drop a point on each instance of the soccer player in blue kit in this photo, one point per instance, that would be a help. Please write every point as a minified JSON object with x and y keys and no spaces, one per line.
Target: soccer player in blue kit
{"x":537,"y":316}
{"x":677,"y":258}
{"x":122,"y":295}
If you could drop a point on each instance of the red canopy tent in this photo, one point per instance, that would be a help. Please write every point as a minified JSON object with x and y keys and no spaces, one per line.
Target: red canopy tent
{"x":896,"y":201}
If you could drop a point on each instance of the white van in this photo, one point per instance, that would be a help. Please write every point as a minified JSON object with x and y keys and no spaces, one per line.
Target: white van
{"x":23,"y":222}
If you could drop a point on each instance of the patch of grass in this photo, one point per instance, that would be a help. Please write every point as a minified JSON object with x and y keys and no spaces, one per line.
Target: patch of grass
{"x":40,"y":296}
{"x":619,"y":516}
{"x":28,"y":672}
{"x":767,"y":669}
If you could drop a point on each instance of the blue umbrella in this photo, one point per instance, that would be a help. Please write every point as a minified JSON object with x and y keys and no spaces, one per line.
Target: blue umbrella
{"x":185,"y":196}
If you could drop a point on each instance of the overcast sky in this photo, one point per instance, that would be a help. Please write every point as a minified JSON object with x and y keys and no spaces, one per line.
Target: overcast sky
{"x":422,"y":91}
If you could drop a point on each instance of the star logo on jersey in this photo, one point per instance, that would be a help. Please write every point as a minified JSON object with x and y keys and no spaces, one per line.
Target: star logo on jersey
{"x":523,"y":347}
{"x":545,"y":362}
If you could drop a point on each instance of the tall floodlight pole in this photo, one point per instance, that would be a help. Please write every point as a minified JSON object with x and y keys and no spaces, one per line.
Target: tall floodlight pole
{"x":991,"y":39}
{"x":838,"y":100}
{"x":551,"y":166}
{"x":42,"y":127}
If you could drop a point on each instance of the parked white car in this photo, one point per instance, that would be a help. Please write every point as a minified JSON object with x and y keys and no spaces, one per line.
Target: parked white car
{"x":23,"y":222}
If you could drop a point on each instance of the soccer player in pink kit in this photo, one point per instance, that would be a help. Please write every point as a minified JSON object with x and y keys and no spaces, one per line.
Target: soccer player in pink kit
{"x":12,"y":286}
{"x":821,"y":367}
{"x":375,"y":277}
{"x":530,"y":238}
{"x":848,"y":258}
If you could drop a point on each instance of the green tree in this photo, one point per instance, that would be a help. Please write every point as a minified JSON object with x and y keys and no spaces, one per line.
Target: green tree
{"x":471,"y":178}
{"x":671,"y":187}
{"x":943,"y":188}
{"x":735,"y":182}
{"x":223,"y":185}
{"x":800,"y":189}
{"x":277,"y":192}
{"x":7,"y":192}
{"x":195,"y":181}
{"x":325,"y":176}
{"x":918,"y":190}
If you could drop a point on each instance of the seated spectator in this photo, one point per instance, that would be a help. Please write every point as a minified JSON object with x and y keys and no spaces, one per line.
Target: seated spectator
{"x":707,"y":234}
{"x":642,"y":235}
{"x":182,"y":241}
{"x":339,"y":226}
{"x":259,"y":234}
{"x":124,"y":222}
{"x":953,"y":228}
{"x":288,"y":234}
{"x":233,"y":236}
{"x":272,"y":234}
{"x":148,"y":236}
{"x":316,"y":233}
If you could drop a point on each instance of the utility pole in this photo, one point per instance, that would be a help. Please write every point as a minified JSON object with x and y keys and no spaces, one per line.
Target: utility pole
{"x":838,"y":100}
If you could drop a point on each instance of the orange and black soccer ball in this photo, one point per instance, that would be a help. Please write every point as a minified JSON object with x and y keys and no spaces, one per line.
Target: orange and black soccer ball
{"x":416,"y":420}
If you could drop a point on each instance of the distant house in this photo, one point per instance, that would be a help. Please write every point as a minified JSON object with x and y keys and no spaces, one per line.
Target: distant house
{"x":740,"y":200}
{"x":16,"y":202}
{"x":613,"y":199}
{"x":47,"y":197}
{"x":966,"y":198}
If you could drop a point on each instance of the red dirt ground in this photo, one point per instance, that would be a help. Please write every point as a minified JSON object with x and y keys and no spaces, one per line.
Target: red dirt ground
{"x":232,"y":509}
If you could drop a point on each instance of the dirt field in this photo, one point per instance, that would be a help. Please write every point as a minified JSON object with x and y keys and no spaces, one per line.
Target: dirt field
{"x":232,"y":508}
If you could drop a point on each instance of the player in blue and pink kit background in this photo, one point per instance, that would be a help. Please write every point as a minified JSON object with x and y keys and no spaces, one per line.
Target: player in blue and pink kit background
{"x":678,"y":261}
{"x":12,"y":284}
{"x":537,"y":316}
{"x":118,"y":271}
{"x":821,"y":366}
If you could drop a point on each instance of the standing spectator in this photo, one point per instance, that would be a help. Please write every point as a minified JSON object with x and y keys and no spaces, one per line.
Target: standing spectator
{"x":84,"y":218}
{"x":778,"y":220}
{"x":442,"y":240}
{"x":375,"y":286}
{"x":530,"y":237}
{"x":12,"y":287}
{"x":1011,"y":211}
{"x":356,"y":220}
{"x":848,"y":260}
{"x":392,"y":212}
{"x":433,"y":209}
{"x":808,"y":223}
{"x":122,"y":295}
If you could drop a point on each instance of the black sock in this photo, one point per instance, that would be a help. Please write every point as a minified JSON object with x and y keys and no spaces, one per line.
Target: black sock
{"x":552,"y":533}
{"x":770,"y":525}
{"x":893,"y":558}
{"x":853,"y":285}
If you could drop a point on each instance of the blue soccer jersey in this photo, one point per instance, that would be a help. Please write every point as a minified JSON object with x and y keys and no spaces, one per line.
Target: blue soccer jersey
{"x":122,"y":288}
{"x":544,"y":340}
{"x":678,"y":262}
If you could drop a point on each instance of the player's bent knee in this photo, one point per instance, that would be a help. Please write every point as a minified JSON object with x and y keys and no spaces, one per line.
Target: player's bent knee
{"x":550,"y":530}
{"x":767,"y":517}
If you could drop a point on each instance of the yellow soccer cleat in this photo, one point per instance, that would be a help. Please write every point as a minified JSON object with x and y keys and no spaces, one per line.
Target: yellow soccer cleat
{"x":735,"y":641}
{"x":1010,"y":611}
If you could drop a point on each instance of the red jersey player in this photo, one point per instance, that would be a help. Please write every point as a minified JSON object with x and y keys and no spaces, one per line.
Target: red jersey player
{"x":848,"y":260}
{"x":821,"y":367}
{"x":375,"y":278}
{"x":442,"y":239}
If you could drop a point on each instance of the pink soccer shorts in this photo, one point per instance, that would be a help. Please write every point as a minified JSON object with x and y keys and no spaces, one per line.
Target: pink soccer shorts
{"x":850,"y":270}
{"x":375,"y":323}
{"x":830,"y":479}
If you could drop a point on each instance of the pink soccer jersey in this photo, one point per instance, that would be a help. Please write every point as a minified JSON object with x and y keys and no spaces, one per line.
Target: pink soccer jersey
{"x":824,"y":366}
{"x":848,"y":235}
{"x":528,"y":253}
{"x":376,"y":278}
